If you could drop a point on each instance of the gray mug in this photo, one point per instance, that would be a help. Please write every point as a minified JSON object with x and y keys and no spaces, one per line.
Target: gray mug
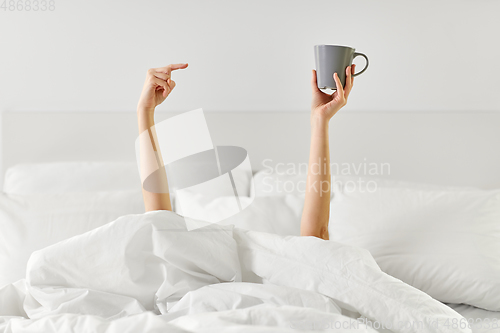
{"x":331,"y":59}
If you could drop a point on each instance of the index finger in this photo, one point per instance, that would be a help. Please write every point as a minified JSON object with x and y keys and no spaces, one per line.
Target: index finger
{"x":167,"y":69}
{"x":349,"y":80}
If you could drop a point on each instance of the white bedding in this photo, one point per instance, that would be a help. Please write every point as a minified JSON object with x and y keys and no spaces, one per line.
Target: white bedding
{"x":443,"y":242}
{"x":148,"y":273}
{"x":482,"y":321}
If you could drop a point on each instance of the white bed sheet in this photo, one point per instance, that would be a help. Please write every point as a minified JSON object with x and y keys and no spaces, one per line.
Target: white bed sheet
{"x":147,"y":273}
{"x":484,"y":320}
{"x":479,"y":320}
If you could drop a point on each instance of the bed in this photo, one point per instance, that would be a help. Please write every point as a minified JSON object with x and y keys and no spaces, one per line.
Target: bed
{"x":79,"y":254}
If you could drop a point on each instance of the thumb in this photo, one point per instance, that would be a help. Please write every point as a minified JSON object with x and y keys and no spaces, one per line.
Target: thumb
{"x":314,"y":83}
{"x":171,"y":85}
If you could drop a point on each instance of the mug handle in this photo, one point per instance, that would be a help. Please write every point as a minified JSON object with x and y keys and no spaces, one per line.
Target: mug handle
{"x":364,"y":69}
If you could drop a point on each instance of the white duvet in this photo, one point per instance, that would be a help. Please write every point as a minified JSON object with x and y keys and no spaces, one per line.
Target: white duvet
{"x":148,"y":273}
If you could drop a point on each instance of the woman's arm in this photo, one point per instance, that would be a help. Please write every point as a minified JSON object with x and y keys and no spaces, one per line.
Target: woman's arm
{"x":316,"y":211}
{"x":157,"y":87}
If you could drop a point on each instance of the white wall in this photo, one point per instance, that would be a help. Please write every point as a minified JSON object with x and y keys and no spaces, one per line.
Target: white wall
{"x":250,"y":55}
{"x":448,"y":148}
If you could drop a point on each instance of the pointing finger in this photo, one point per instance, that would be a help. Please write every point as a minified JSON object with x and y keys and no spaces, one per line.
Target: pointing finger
{"x":167,"y":69}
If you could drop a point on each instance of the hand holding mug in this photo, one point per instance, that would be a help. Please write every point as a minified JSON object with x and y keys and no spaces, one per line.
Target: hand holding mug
{"x":324,"y":106}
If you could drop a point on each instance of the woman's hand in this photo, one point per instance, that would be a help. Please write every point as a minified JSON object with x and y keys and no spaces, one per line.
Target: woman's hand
{"x":324,"y":106}
{"x":157,"y":87}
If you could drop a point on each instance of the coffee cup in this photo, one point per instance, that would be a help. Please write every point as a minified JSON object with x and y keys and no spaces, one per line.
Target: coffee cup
{"x":334,"y":58}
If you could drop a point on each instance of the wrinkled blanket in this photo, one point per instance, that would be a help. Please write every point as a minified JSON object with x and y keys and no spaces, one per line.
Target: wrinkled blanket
{"x":149,"y":273}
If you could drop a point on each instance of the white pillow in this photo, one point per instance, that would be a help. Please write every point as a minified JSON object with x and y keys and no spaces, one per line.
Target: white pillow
{"x":273,"y":184}
{"x":443,"y":242}
{"x":31,"y":222}
{"x":341,"y":183}
{"x":63,"y":177}
{"x":275,"y":214}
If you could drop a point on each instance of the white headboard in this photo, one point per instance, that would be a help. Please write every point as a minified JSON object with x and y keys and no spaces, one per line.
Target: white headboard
{"x":449,"y":148}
